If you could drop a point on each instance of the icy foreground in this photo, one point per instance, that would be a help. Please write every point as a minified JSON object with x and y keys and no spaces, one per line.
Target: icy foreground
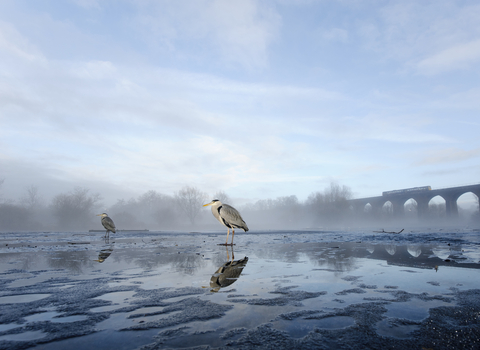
{"x":272,"y":290}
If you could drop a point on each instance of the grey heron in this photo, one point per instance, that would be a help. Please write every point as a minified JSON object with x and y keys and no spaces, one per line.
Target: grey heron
{"x":108,"y":224}
{"x":228,"y":216}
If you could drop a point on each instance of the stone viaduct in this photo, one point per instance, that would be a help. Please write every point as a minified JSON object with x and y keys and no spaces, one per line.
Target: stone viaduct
{"x":422,"y":195}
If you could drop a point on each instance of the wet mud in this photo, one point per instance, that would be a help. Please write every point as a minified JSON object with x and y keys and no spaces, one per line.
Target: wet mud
{"x":272,"y":290}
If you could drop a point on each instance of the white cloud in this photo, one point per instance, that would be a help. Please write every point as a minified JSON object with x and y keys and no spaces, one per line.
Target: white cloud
{"x":432,"y":36}
{"x":238,"y":32}
{"x":94,"y":70}
{"x":335,"y":34}
{"x":14,"y":45}
{"x":170,"y":114}
{"x":460,"y":56}
{"x":448,"y":155}
{"x":88,"y":4}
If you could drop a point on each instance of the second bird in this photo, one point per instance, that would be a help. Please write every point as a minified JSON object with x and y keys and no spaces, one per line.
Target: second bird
{"x":108,"y":224}
{"x":228,"y":216}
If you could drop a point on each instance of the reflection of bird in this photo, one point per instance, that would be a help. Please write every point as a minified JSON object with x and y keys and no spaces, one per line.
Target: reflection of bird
{"x":104,"y":254}
{"x":108,"y":224}
{"x":228,"y":216}
{"x":227,"y":274}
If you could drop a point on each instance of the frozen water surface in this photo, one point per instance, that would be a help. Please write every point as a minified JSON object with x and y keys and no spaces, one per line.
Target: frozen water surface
{"x":282,"y":290}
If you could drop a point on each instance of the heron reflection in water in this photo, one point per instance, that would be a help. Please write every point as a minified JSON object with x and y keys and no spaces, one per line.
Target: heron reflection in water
{"x":228,"y":216}
{"x":228,"y":273}
{"x":107,"y":222}
{"x":105,"y":253}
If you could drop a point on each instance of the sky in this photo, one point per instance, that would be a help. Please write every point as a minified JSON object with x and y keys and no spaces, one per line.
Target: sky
{"x":260,"y":99}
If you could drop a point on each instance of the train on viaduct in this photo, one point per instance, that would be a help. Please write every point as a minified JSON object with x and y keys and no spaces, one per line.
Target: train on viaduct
{"x":422,"y":195}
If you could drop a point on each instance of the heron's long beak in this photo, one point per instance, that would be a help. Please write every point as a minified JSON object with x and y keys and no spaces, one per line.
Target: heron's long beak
{"x":99,"y":214}
{"x":206,"y":205}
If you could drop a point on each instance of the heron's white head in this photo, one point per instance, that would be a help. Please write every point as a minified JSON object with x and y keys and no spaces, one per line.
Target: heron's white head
{"x":214,"y":202}
{"x":102,"y":215}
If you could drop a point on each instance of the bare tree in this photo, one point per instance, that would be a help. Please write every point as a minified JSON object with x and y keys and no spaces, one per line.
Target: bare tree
{"x":31,"y":199}
{"x":315,"y":201}
{"x":190,"y":200}
{"x":337,"y":194}
{"x":75,"y":210}
{"x":331,"y":206}
{"x":222,"y":197}
{"x":1,"y":183}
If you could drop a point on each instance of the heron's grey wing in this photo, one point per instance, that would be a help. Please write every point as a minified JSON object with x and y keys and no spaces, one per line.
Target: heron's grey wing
{"x":108,"y":224}
{"x":232,"y":216}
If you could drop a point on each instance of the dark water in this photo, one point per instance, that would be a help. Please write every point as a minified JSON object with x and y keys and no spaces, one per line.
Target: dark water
{"x":282,"y":290}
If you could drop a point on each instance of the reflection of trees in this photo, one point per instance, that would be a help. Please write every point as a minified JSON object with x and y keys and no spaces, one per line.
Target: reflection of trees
{"x":338,"y":258}
{"x":28,"y":260}
{"x":344,"y":256}
{"x":186,"y":263}
{"x":71,"y":260}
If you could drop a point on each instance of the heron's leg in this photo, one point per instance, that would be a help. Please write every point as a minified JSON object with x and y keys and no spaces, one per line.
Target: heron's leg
{"x":228,"y":233}
{"x":233,"y":234}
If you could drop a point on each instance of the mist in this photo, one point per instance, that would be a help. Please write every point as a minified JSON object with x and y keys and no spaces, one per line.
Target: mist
{"x":76,"y":210}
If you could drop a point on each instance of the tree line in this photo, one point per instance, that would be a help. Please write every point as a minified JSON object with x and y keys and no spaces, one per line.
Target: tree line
{"x":76,"y":211}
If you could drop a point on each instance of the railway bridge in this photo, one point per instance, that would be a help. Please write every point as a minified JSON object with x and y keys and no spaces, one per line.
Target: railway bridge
{"x":422,"y":195}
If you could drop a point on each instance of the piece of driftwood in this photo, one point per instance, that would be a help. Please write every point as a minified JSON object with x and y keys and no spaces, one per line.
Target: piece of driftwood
{"x":383,"y":231}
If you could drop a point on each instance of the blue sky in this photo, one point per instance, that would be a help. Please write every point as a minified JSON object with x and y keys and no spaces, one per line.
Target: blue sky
{"x":260,"y":99}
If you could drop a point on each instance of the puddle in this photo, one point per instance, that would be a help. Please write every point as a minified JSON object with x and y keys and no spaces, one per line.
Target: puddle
{"x":23,"y":298}
{"x":67,"y":319}
{"x":42,"y":316}
{"x":387,"y":328}
{"x":107,"y":308}
{"x":27,"y":336}
{"x":414,"y":311}
{"x":7,"y":327}
{"x":394,"y":283}
{"x":150,"y":318}
{"x":133,"y":272}
{"x":147,"y":310}
{"x":52,"y":316}
{"x":119,"y":300}
{"x":335,"y":322}
{"x":115,"y":321}
{"x":116,"y":297}
{"x":299,"y":328}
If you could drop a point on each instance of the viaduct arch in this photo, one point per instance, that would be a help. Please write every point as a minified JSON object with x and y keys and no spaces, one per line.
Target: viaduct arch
{"x":422,"y":195}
